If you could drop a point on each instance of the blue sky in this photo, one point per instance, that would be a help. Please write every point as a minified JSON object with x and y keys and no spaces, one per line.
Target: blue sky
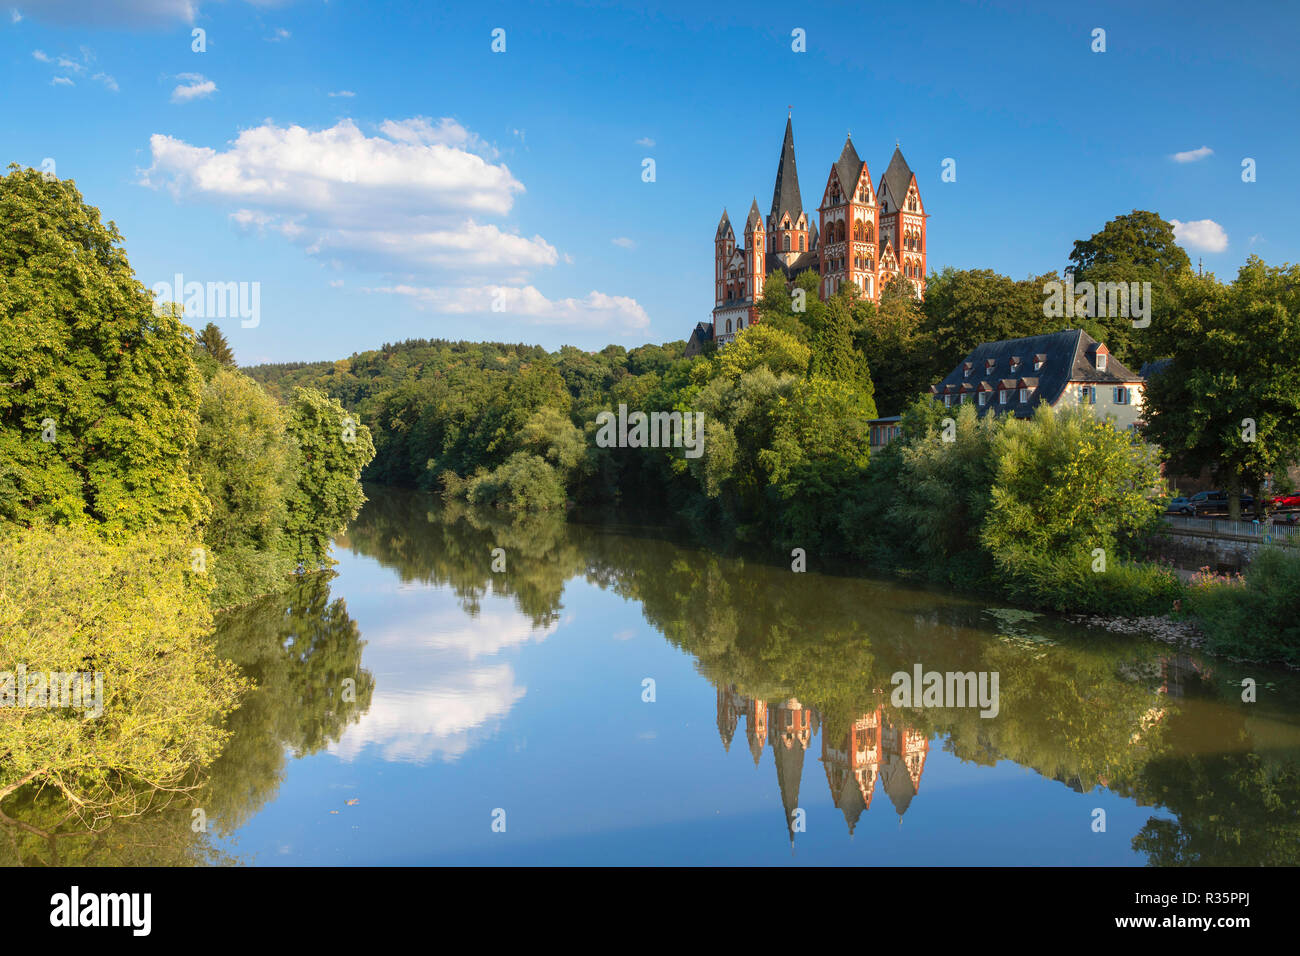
{"x":386,"y":175}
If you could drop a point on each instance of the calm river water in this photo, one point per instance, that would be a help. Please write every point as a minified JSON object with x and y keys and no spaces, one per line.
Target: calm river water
{"x":614,"y":697}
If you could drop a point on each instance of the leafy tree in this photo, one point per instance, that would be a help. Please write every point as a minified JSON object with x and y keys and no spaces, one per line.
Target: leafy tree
{"x":245,"y":464}
{"x":136,"y":613}
{"x":1071,"y":494}
{"x":897,"y":351}
{"x":1228,"y":400}
{"x":98,"y":393}
{"x":1137,"y":247}
{"x":964,"y":308}
{"x":332,"y":448}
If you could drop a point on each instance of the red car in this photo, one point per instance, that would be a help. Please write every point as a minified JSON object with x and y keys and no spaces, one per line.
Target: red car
{"x":1287,"y":501}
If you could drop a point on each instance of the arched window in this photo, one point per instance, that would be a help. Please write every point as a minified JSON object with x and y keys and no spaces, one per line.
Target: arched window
{"x":839,"y":231}
{"x":728,"y":325}
{"x":801,"y":242}
{"x":786,"y":244}
{"x":858,"y":233}
{"x":740,"y":324}
{"x":871,"y":233}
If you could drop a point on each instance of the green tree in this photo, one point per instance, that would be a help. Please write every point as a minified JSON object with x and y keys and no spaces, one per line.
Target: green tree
{"x":897,"y":351}
{"x":1228,"y":400}
{"x":965,"y":308}
{"x":98,"y":392}
{"x":332,"y":448}
{"x":246,"y":466}
{"x":1137,"y":247}
{"x":212,"y":343}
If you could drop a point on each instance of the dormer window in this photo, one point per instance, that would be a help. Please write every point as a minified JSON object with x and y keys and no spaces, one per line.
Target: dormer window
{"x":1101,"y":361}
{"x":1002,"y":396}
{"x":947,"y":401}
{"x":984,"y":399}
{"x":966,"y":371}
{"x":1039,"y":360}
{"x":1015,"y":362}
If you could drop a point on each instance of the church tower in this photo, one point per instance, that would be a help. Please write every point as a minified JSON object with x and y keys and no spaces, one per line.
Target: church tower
{"x":849,"y":226}
{"x":755,"y":243}
{"x":786,"y":223}
{"x":902,"y":225}
{"x":724,"y":241}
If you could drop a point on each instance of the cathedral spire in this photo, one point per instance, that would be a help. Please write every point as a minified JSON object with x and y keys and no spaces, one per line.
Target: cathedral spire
{"x":785,"y":196}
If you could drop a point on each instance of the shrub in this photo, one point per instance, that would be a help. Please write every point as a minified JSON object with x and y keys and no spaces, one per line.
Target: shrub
{"x":1258,"y":618}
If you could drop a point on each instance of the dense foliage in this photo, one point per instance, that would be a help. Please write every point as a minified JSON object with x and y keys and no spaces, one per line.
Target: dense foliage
{"x":143,"y":483}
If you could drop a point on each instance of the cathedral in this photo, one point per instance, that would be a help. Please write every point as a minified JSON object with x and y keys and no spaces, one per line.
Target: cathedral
{"x":861,"y":233}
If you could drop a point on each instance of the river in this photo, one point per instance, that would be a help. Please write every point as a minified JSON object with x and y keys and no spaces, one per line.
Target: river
{"x":618,"y":695}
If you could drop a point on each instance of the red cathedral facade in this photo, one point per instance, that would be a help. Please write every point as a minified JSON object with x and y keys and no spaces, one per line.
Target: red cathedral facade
{"x":861,"y":233}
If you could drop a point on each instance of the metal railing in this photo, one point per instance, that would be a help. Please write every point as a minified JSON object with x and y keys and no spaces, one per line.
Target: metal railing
{"x":1241,"y":529}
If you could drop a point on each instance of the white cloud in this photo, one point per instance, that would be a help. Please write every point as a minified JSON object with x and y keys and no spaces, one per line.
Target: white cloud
{"x":280,"y":34}
{"x":414,"y":202}
{"x":77,"y":66}
{"x":336,"y":283}
{"x":408,"y":200}
{"x":1192,"y":155}
{"x":596,"y":310}
{"x":15,"y":16}
{"x":645,"y":141}
{"x":343,"y":93}
{"x":193,"y":86}
{"x":434,"y":693}
{"x":624,"y":242}
{"x":1204,"y":234}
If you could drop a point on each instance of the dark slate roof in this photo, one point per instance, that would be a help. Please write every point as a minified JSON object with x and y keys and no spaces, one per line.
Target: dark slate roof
{"x":1068,"y":359}
{"x":848,"y":166}
{"x":703,"y":332}
{"x":785,"y":195}
{"x":724,"y":227}
{"x":805,"y":261}
{"x":898,"y":176}
{"x":754,"y":218}
{"x":812,"y":235}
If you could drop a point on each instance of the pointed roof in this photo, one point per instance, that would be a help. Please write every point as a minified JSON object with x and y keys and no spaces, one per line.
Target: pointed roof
{"x":755,"y":219}
{"x":849,"y":166}
{"x":789,"y":772}
{"x":724,"y":227}
{"x":785,"y":196}
{"x":898,"y":176}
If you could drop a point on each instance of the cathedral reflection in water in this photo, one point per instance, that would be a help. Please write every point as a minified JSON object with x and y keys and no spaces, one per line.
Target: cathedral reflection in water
{"x":874,"y":751}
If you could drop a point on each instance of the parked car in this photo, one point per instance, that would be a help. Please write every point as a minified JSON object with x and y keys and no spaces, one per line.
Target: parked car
{"x":1287,"y":501}
{"x":1179,"y":506}
{"x":1216,"y":502}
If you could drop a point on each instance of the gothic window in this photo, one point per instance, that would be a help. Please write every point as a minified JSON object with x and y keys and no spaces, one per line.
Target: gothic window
{"x":740,"y":324}
{"x":801,"y":242}
{"x":728,"y":325}
{"x":839,"y":232}
{"x":786,"y":244}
